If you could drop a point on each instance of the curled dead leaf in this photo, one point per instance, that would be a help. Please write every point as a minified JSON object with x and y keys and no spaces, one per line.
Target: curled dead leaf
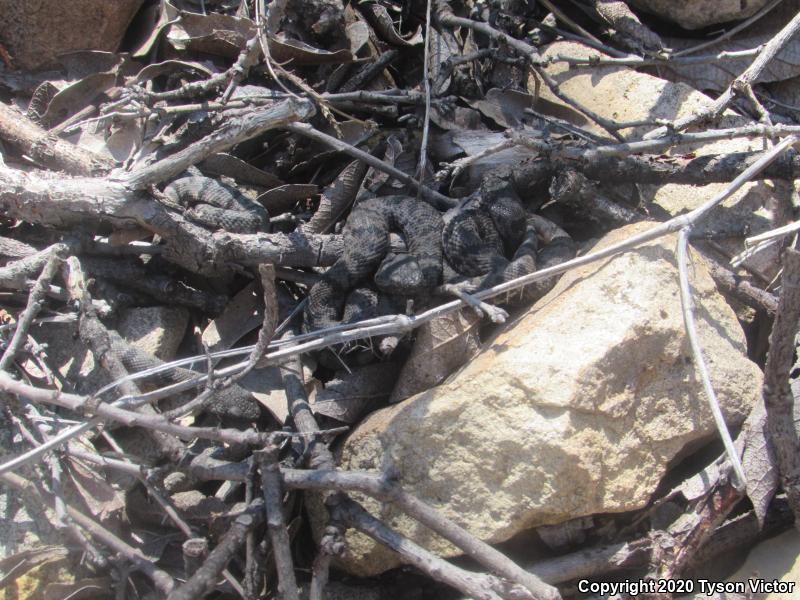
{"x":296,"y":52}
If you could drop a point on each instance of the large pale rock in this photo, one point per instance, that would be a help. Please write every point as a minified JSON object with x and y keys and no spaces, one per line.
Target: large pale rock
{"x":624,"y":95}
{"x":37,"y":33}
{"x":694,"y":14}
{"x":575,"y":409}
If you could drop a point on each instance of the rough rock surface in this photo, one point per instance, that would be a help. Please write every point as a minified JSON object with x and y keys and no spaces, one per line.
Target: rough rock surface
{"x":622,"y":94}
{"x":694,"y":14}
{"x":36,"y":33}
{"x":575,"y":409}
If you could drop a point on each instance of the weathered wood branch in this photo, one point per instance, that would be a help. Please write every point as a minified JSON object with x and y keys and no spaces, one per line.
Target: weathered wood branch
{"x":234,"y":131}
{"x":778,"y":397}
{"x":47,"y":149}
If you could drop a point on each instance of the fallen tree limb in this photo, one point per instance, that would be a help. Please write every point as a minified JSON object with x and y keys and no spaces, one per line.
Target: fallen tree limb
{"x":778,"y":398}
{"x":205,"y":578}
{"x":48,"y":149}
{"x":385,"y":490}
{"x":234,"y":131}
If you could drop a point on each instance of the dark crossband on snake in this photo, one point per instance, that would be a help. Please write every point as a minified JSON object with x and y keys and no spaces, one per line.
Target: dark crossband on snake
{"x":475,"y":246}
{"x":479,"y":244}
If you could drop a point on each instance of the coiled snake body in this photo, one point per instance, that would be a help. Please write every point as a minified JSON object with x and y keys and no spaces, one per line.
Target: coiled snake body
{"x":483,"y":243}
{"x":366,"y":244}
{"x":217,"y":205}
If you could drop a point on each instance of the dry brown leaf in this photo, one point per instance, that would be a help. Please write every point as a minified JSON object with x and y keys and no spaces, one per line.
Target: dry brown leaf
{"x":758,"y":461}
{"x":350,"y":395}
{"x":167,"y":67}
{"x":358,"y":36}
{"x":381,"y":21}
{"x":76,"y":96}
{"x":236,"y":168}
{"x":442,"y":346}
{"x":167,"y":15}
{"x":241,"y":315}
{"x":97,"y":494}
{"x":124,"y":140}
{"x":295,"y":52}
{"x":220,"y":35}
{"x":505,"y":107}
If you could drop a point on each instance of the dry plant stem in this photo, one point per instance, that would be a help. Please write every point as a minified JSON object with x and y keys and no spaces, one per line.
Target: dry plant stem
{"x":81,"y":404}
{"x":730,"y":32}
{"x":320,"y":456}
{"x":272,"y":487}
{"x":253,"y":566}
{"x":64,"y":202}
{"x":46,"y":148}
{"x":687,"y":306}
{"x":474,"y":585}
{"x":54,"y":442}
{"x":370,"y":72}
{"x":397,"y":324}
{"x":778,"y":398}
{"x":16,"y":275}
{"x":248,"y":58}
{"x":569,"y":22}
{"x":748,"y":77}
{"x":12,"y":249}
{"x":171,"y":511}
{"x":776,"y":233}
{"x":744,"y":291}
{"x":268,"y":323}
{"x":320,"y":572}
{"x":689,"y":533}
{"x":426,"y":122}
{"x":740,"y":532}
{"x":638,"y":61}
{"x":235,"y":131}
{"x":438,"y":200}
{"x":97,"y":338}
{"x":388,"y":491}
{"x":446,"y":17}
{"x":63,"y":522}
{"x":205,"y":578}
{"x":34,"y":305}
{"x":162,"y":580}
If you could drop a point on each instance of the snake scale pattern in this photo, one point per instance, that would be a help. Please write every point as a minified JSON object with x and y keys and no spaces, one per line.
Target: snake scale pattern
{"x":217,"y":205}
{"x":366,"y":245}
{"x":474,"y":246}
{"x":479,"y":245}
{"x":233,"y":402}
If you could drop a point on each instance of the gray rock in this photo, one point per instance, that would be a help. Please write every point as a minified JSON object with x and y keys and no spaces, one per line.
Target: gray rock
{"x":695,"y":14}
{"x":36,"y":35}
{"x":575,"y":409}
